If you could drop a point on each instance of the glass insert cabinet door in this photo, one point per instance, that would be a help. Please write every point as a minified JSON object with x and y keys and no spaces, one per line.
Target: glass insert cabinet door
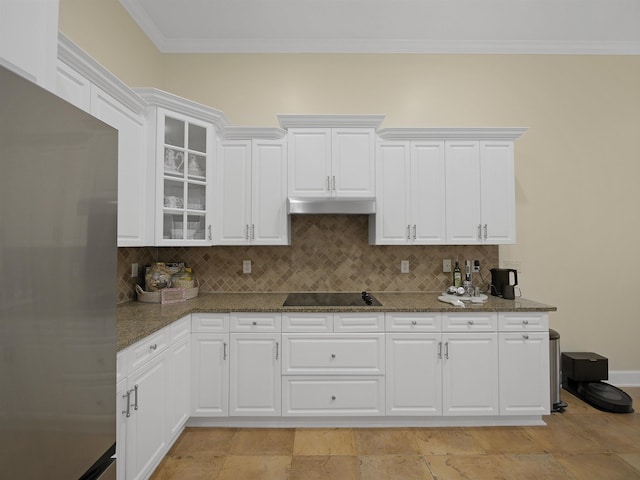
{"x":185,"y":149}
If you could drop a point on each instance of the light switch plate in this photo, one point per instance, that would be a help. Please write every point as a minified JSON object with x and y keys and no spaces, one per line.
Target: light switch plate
{"x":404,"y":266}
{"x":446,"y":265}
{"x":246,"y":266}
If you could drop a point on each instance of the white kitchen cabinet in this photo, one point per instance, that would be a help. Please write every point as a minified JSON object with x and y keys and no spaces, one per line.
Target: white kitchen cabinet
{"x":331,"y":155}
{"x":87,"y":85}
{"x":182,"y":143}
{"x":121,"y":428}
{"x":480,"y":192}
{"x":410,"y":198}
{"x":414,"y":374}
{"x":524,"y":363}
{"x":179,"y":408}
{"x":251,"y":189}
{"x":255,"y":378}
{"x":28,"y":39}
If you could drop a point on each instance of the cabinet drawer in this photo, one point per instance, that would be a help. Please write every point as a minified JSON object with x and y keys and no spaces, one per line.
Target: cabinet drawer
{"x":255,"y":322}
{"x":148,"y":348}
{"x":309,"y":396}
{"x":335,"y":354}
{"x":307,"y":322}
{"x":210,"y":322}
{"x":358,"y":322}
{"x":413,"y":322}
{"x":469,"y":322}
{"x":523,"y":321}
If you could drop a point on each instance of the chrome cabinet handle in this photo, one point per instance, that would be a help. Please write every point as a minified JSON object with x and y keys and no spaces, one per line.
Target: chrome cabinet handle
{"x":479,"y":232}
{"x":210,"y":233}
{"x":135,"y":396}
{"x":446,"y":350}
{"x":485,"y":231}
{"x":277,"y":350}
{"x":246,"y":234}
{"x":328,"y":183}
{"x":127,"y":411}
{"x":333,"y":185}
{"x":414,"y":232}
{"x":153,"y":347}
{"x":439,"y":349}
{"x":408,"y":232}
{"x":253,"y":231}
{"x":224,"y":350}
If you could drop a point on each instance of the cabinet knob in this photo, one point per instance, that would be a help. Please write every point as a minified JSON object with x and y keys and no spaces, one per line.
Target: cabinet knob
{"x":525,"y":336}
{"x":153,"y":347}
{"x":255,"y":323}
{"x":333,"y":355}
{"x":413,"y":322}
{"x":333,"y":397}
{"x":525,"y":322}
{"x":470,"y":322}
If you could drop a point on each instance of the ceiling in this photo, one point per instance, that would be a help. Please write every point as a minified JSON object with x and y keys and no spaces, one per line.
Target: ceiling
{"x":390,"y":26}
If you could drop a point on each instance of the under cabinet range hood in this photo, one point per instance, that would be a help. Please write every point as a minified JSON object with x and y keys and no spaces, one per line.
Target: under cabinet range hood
{"x":331,"y":205}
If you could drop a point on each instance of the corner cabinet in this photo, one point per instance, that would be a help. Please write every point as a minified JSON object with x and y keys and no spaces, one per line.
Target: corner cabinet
{"x":331,"y":155}
{"x":445,"y":186}
{"x":251,"y":187}
{"x":182,"y":142}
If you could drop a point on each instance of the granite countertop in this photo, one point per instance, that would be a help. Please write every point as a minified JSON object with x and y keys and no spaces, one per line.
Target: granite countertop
{"x":136,"y":320}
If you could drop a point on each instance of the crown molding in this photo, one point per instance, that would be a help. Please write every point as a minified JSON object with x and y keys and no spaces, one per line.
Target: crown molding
{"x":464,"y":133}
{"x":80,"y":61}
{"x":249,"y":133}
{"x":160,"y":98}
{"x":328,"y":121}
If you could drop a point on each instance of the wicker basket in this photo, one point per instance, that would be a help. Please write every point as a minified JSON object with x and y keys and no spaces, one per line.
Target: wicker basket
{"x":167,"y":295}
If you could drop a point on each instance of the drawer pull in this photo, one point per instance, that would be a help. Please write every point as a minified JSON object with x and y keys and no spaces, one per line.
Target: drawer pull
{"x":153,"y":347}
{"x":470,"y":322}
{"x":525,"y":336}
{"x":333,"y":397}
{"x":255,"y":323}
{"x":333,"y":355}
{"x":525,"y":321}
{"x":413,"y":322}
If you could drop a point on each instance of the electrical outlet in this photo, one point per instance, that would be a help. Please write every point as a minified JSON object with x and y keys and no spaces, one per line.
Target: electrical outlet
{"x":446,"y":265}
{"x":246,"y":266}
{"x":404,"y":266}
{"x":476,"y":266}
{"x":134,"y":270}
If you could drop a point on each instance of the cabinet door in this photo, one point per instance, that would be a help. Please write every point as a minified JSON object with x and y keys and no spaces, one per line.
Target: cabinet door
{"x":414,"y":374}
{"x":121,"y":427}
{"x":428,"y":193}
{"x":233,"y":193}
{"x":393,"y":197}
{"x":184,"y":172}
{"x":255,"y":380}
{"x":524,"y":373}
{"x":462,"y":172}
{"x":135,"y":226}
{"x":352,"y":165}
{"x":29,"y":39}
{"x":178,"y":389}
{"x":309,"y":161}
{"x":147,"y":426}
{"x":269,"y":219}
{"x":497,"y":187}
{"x":210,"y":375}
{"x":470,"y":374}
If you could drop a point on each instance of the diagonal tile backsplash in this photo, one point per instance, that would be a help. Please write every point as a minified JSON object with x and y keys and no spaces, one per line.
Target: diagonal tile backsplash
{"x":327,"y":253}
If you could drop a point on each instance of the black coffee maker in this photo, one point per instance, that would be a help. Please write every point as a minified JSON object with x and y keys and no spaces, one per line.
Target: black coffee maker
{"x":502,"y":283}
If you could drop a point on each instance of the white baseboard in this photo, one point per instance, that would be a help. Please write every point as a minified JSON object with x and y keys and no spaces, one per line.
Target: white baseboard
{"x":624,"y":378}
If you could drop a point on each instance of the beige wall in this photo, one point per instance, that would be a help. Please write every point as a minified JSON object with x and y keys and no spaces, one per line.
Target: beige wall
{"x":577,"y":167}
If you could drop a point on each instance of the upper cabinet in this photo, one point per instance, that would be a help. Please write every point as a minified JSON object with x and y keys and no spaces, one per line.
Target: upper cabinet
{"x":87,"y":85}
{"x":445,"y":186}
{"x":29,"y":39}
{"x":182,"y":143}
{"x":251,"y":187}
{"x":331,"y":155}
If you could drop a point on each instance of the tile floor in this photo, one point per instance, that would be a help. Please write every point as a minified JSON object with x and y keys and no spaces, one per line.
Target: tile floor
{"x":582,"y":443}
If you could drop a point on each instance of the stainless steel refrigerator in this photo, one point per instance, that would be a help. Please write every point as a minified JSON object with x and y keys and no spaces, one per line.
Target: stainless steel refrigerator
{"x":58,"y":265}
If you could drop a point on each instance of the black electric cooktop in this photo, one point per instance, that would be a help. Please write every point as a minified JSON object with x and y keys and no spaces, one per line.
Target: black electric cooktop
{"x":331,"y":299}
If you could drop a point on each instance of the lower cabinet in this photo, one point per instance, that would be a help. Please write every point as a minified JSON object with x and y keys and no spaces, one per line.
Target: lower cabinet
{"x":255,"y":378}
{"x":153,"y":398}
{"x":470,"y":374}
{"x":414,"y":374}
{"x":210,"y":375}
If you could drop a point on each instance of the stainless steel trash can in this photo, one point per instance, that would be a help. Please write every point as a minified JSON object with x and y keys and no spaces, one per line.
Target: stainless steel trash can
{"x":557,"y":405}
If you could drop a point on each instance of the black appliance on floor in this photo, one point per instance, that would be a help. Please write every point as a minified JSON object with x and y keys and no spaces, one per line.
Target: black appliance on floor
{"x":582,"y":375}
